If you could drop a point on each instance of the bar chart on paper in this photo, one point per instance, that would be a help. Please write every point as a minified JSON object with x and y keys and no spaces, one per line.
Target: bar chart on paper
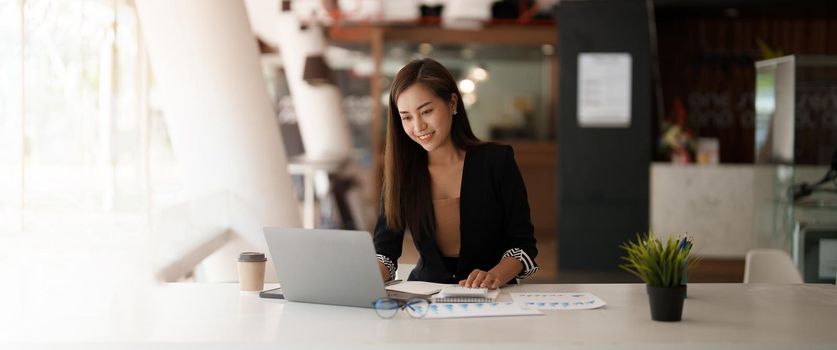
{"x":461,"y":310}
{"x":558,"y":301}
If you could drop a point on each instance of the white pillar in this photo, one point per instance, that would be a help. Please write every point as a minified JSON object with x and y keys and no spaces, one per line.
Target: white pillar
{"x":322,"y":124}
{"x":218,"y":113}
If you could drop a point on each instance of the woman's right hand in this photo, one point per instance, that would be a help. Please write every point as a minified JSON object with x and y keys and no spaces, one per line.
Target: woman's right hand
{"x":384,"y":271}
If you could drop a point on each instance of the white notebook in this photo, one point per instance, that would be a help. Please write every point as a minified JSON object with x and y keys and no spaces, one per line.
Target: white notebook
{"x":416,"y":287}
{"x":457,"y":294}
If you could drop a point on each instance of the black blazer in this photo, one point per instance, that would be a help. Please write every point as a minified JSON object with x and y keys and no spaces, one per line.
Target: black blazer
{"x":494,"y":222}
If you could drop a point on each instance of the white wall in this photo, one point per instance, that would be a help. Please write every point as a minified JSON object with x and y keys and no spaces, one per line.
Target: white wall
{"x":728,"y":209}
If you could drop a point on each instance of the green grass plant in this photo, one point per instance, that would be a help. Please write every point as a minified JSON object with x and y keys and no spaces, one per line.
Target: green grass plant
{"x":658,"y":263}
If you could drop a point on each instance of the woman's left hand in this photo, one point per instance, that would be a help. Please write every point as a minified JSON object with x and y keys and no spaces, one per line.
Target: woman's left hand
{"x":482,"y":279}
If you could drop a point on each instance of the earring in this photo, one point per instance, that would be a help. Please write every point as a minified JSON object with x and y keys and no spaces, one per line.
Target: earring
{"x":454,"y":112}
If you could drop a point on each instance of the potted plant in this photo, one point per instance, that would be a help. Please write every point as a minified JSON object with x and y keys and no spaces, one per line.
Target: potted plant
{"x":662,"y":266}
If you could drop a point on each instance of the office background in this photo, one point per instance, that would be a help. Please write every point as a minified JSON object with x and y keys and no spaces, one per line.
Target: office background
{"x":136,"y":151}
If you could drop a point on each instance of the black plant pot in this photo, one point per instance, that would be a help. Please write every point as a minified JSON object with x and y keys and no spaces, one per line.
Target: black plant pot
{"x":666,"y":302}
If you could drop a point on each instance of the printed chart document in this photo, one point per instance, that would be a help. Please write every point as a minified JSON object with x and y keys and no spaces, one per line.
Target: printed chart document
{"x":557,"y":301}
{"x":461,"y":310}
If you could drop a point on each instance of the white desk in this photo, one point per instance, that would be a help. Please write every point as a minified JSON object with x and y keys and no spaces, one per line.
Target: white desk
{"x":218,"y":316}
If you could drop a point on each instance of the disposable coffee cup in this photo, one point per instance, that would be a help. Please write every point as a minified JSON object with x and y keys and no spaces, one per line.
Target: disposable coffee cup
{"x":251,"y":271}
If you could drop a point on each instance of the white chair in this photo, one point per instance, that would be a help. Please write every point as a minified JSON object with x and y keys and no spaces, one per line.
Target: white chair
{"x":770,"y":266}
{"x":403,"y":271}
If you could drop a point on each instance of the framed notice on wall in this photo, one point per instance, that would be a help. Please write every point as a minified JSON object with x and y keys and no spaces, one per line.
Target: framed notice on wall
{"x":604,"y":90}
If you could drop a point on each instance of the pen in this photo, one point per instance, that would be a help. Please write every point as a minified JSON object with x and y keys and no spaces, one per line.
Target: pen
{"x":682,"y":244}
{"x":685,"y":244}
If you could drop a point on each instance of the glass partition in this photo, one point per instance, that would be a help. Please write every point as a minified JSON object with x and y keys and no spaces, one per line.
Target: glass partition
{"x":773,"y":210}
{"x":796,"y":141}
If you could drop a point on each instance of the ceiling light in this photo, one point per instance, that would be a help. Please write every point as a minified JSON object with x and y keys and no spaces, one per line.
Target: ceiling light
{"x":479,"y":74}
{"x":466,"y":86}
{"x":425,"y":48}
{"x":469,"y":99}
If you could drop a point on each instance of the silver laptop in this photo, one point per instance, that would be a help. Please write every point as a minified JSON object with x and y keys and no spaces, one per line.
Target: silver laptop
{"x":334,"y":267}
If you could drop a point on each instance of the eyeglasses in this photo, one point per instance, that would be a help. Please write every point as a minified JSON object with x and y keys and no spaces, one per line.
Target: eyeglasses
{"x":387,"y":308}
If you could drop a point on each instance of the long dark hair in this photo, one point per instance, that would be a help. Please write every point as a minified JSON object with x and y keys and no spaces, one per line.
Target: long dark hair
{"x":407,"y":199}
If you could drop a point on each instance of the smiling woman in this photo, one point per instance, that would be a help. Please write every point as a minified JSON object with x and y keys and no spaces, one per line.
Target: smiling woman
{"x":432,"y":115}
{"x":463,"y":200}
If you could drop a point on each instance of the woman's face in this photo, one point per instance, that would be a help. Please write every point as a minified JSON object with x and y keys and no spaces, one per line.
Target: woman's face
{"x":425,"y":117}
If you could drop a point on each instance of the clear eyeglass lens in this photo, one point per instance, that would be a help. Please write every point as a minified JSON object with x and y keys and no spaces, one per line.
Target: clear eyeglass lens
{"x":386,"y":308}
{"x":417,"y":308}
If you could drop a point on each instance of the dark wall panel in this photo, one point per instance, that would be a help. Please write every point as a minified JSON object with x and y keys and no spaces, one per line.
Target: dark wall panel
{"x":603,"y":172}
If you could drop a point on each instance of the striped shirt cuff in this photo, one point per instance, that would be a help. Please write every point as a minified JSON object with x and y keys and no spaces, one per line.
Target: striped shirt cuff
{"x":529,"y":266}
{"x":391,"y":267}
